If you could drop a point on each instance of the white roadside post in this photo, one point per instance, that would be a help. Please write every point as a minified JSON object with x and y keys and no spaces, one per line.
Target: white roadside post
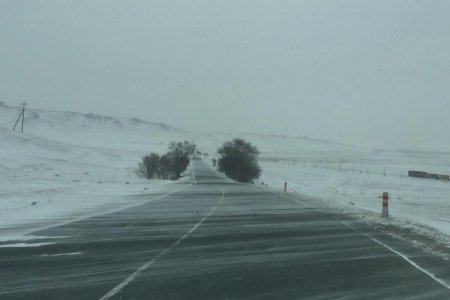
{"x":385,"y":211}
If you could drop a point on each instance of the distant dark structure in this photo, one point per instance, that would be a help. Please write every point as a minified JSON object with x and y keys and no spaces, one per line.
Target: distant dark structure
{"x":418,"y":174}
{"x":421,"y":174}
{"x":444,"y":177}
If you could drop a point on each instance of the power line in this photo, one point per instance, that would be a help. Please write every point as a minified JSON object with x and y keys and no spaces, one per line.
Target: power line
{"x":22,"y":114}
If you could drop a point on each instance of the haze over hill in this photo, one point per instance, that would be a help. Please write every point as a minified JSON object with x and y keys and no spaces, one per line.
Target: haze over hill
{"x":373,"y":73}
{"x":92,"y":129}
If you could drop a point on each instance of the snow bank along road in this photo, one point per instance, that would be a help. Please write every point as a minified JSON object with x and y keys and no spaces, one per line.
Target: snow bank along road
{"x":217,"y":240}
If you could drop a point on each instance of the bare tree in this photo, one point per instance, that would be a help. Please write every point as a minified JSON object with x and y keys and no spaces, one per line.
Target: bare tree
{"x":239,"y":160}
{"x":165,"y":168}
{"x":169,"y":165}
{"x":149,"y":165}
{"x":180,"y":153}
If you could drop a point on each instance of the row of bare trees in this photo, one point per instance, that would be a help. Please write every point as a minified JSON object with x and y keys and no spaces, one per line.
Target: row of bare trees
{"x":238,"y":160}
{"x":169,"y":165}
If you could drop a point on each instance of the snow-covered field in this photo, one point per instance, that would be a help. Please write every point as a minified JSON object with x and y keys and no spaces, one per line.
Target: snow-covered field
{"x":354,"y":181}
{"x":70,"y":165}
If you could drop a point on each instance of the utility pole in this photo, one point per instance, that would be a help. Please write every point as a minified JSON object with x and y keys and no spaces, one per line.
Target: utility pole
{"x":22,"y":114}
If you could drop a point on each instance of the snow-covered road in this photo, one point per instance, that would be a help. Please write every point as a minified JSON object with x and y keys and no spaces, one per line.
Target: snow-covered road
{"x":215,"y":240}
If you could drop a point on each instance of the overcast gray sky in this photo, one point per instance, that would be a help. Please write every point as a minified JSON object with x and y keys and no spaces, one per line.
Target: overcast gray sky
{"x":364,"y":72}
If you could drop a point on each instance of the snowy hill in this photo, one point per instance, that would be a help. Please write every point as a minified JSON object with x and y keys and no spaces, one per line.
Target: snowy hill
{"x":95,"y":130}
{"x":64,"y":119}
{"x":86,"y":129}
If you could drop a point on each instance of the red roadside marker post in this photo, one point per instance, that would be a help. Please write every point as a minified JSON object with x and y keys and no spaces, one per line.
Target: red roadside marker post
{"x":385,"y":211}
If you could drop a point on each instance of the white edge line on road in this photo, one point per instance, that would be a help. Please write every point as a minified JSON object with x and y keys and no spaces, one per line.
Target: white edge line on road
{"x":147,"y":265}
{"x":61,"y":254}
{"x":404,"y":257}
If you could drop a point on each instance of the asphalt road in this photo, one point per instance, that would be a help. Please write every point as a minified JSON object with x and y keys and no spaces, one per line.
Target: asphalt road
{"x":216,"y":239}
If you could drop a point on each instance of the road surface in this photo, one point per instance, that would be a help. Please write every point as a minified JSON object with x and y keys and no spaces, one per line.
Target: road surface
{"x":215,"y":239}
